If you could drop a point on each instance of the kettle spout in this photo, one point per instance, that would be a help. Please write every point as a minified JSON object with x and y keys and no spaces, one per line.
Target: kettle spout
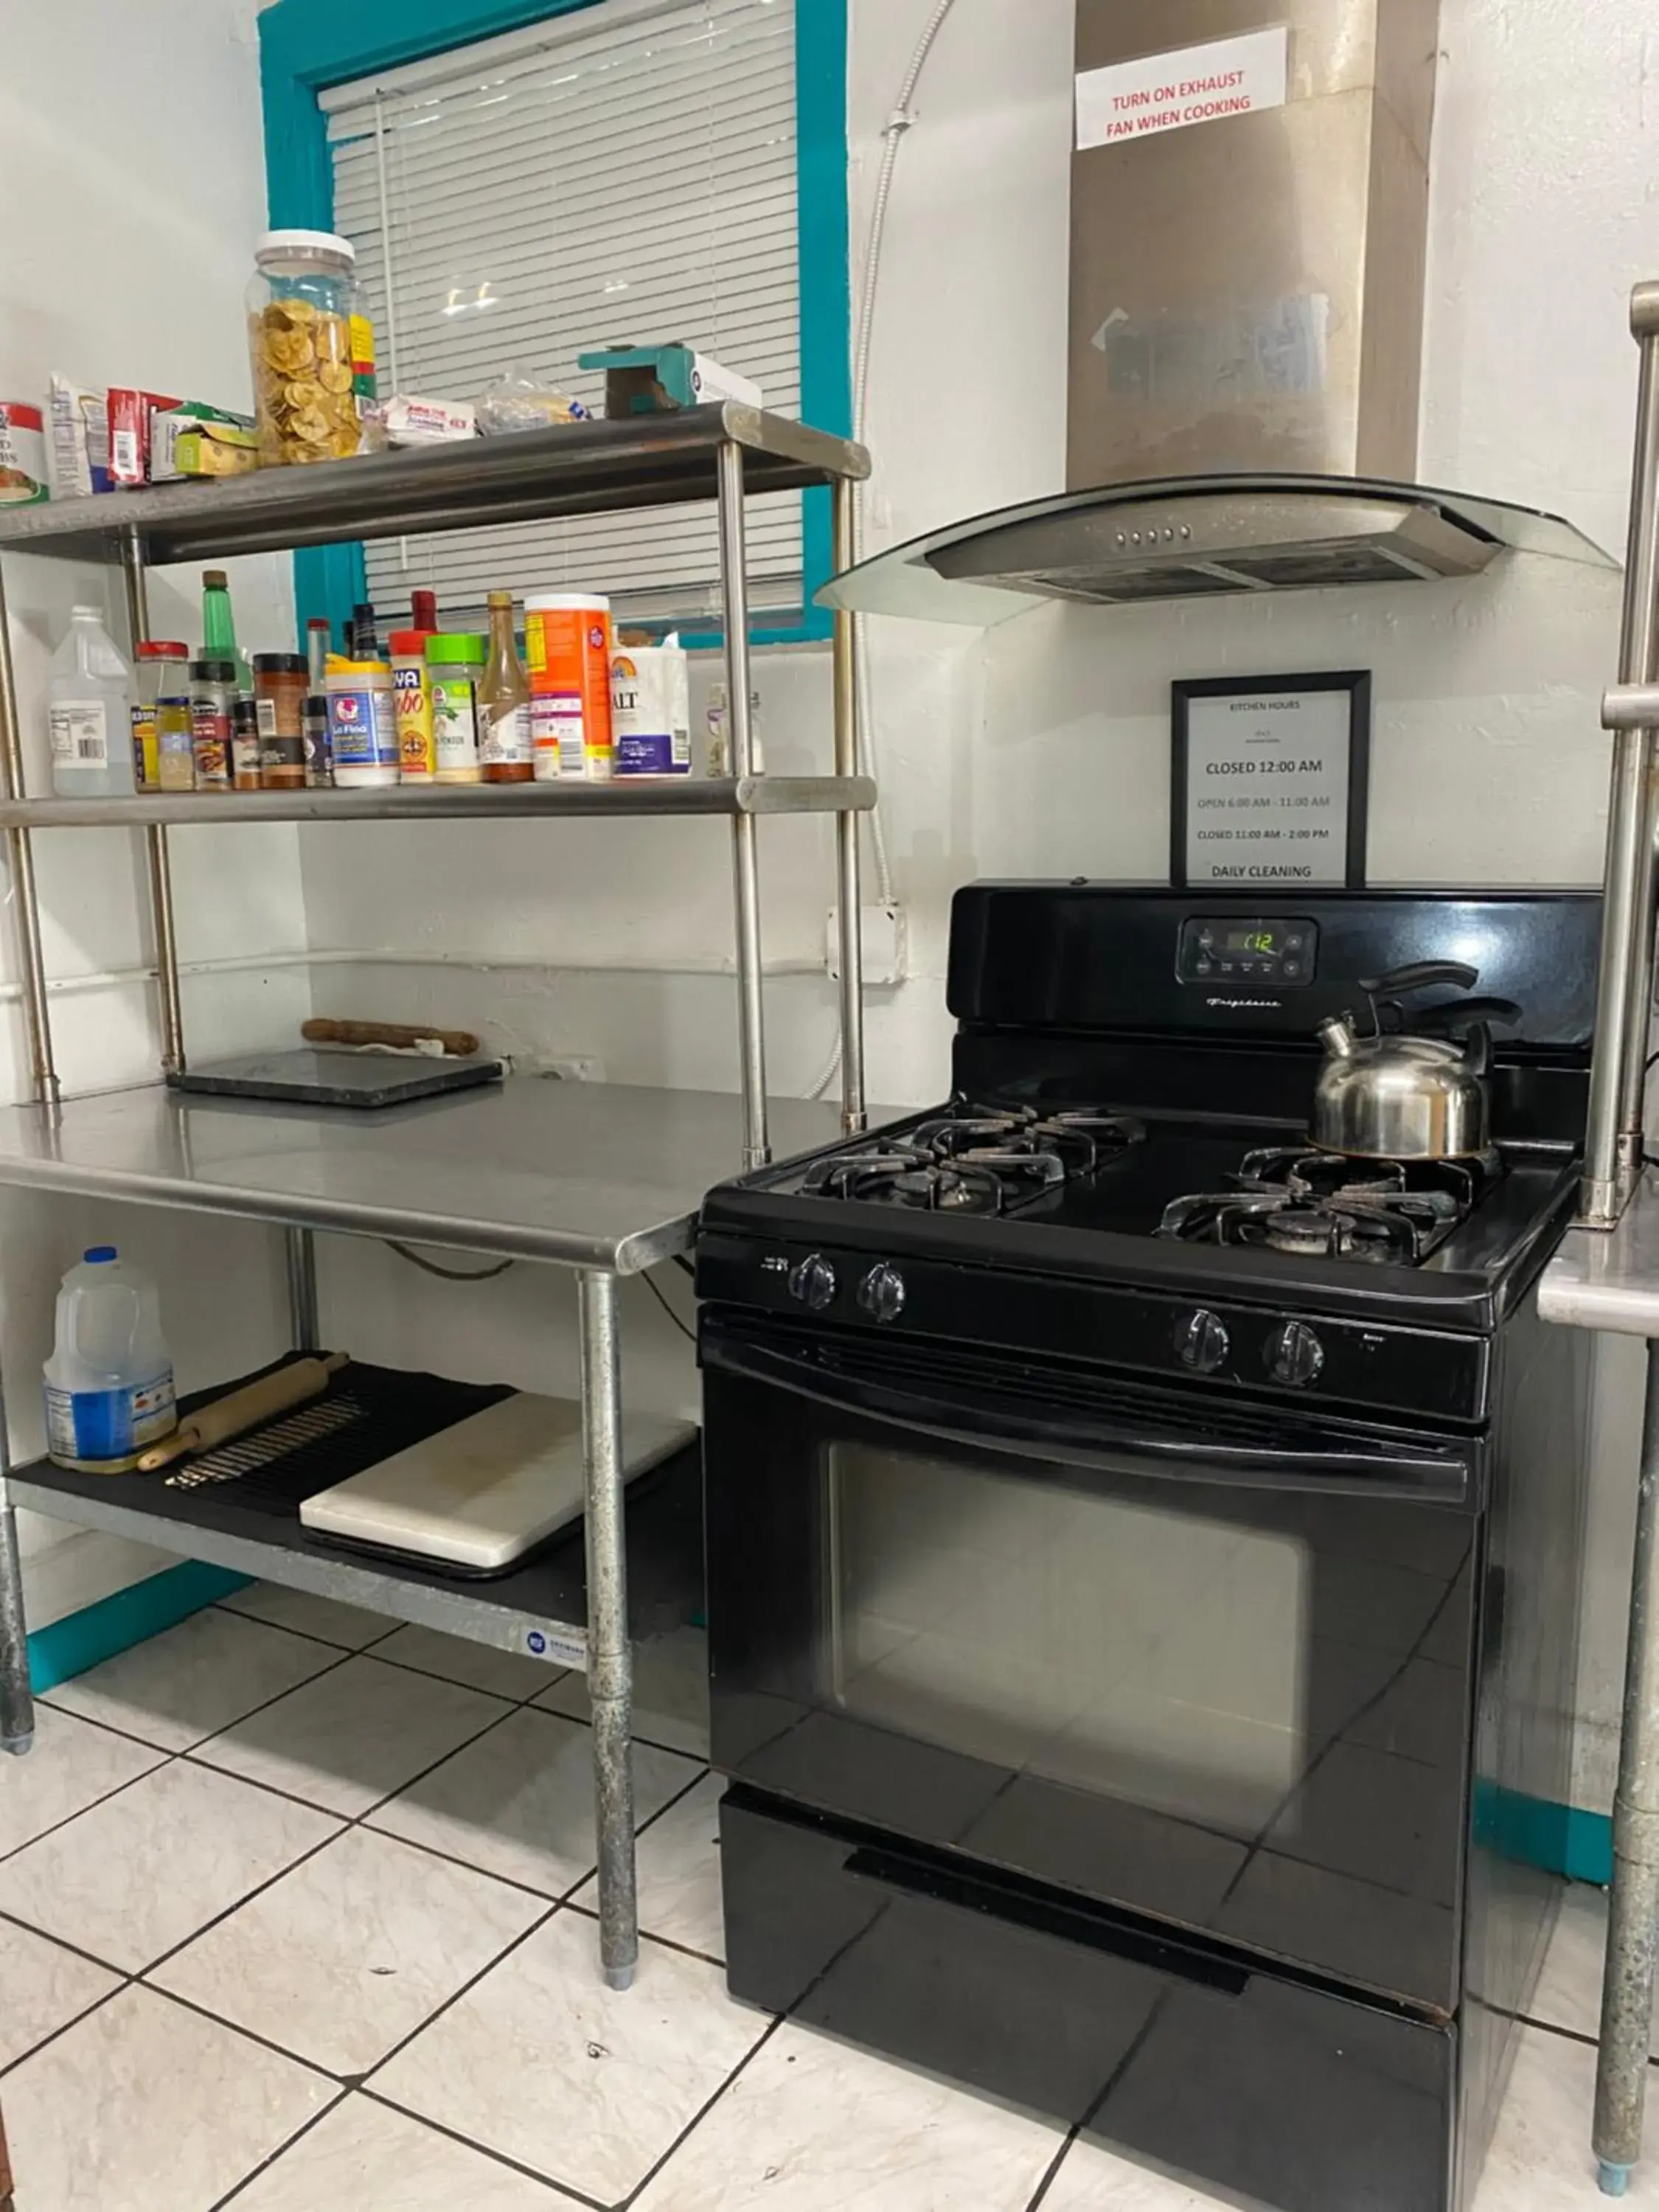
{"x":1336,"y":1034}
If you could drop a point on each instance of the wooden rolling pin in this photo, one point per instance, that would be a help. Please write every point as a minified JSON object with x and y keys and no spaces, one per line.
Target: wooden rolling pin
{"x":243,"y":1409}
{"x":461,"y":1043}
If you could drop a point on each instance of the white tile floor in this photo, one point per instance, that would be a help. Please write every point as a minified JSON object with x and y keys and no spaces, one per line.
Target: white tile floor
{"x":296,"y":1913}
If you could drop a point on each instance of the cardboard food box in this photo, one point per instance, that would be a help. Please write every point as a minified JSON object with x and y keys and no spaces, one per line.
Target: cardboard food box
{"x":195,"y":440}
{"x":660,"y":380}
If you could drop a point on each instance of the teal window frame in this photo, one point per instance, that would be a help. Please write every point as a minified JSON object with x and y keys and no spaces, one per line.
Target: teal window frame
{"x":307,"y":46}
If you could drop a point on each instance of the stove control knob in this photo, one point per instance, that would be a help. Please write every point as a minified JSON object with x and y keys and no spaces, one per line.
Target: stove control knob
{"x":813,"y":1282}
{"x":1294,"y":1355}
{"x":1201,"y":1341}
{"x":881,"y":1292}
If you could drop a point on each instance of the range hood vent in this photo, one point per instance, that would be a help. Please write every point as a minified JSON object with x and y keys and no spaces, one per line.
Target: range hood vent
{"x":1183,"y":538}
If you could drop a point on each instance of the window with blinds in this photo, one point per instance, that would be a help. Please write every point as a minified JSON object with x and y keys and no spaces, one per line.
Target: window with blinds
{"x":624,"y":175}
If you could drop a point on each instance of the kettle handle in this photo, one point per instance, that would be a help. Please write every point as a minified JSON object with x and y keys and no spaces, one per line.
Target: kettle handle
{"x":1419,"y":975}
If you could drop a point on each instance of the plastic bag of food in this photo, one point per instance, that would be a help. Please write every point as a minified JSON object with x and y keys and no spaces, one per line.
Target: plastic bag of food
{"x":514,"y":402}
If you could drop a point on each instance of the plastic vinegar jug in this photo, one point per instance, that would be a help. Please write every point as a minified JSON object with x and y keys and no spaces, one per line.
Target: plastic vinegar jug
{"x":109,"y":1381}
{"x":90,"y":711}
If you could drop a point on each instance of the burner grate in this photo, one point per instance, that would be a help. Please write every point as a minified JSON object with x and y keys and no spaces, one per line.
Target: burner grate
{"x":978,"y":1159}
{"x":1334,"y":1205}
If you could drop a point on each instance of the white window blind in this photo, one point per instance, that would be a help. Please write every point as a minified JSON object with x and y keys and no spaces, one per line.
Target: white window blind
{"x":622,"y":174}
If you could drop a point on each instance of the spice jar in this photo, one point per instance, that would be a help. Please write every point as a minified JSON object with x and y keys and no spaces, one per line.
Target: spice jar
{"x":363,"y":728}
{"x":312,"y":347}
{"x":567,"y":644}
{"x":245,"y":745}
{"x":454,"y":661}
{"x":417,"y":753}
{"x":175,"y":754}
{"x":160,"y":665}
{"x":212,"y":694}
{"x":280,"y":681}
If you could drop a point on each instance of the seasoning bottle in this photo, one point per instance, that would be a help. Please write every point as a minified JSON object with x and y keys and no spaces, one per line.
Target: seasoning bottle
{"x":175,"y":752}
{"x":454,"y":661}
{"x":504,"y":702}
{"x":280,"y":684}
{"x":362,"y":726}
{"x":212,"y":694}
{"x":319,"y":747}
{"x":411,"y":695}
{"x":219,"y":626}
{"x":365,"y":645}
{"x":317,"y":636}
{"x":160,"y":665}
{"x":244,"y":745}
{"x":423,"y":611}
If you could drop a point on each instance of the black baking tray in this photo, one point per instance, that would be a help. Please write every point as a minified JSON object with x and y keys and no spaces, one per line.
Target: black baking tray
{"x":305,"y":1078}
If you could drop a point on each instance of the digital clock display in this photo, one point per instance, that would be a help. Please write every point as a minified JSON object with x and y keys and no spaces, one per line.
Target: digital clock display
{"x":1263,"y":942}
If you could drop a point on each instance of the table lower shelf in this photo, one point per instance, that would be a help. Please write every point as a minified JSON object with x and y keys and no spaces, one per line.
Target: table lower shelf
{"x":252,"y":1527}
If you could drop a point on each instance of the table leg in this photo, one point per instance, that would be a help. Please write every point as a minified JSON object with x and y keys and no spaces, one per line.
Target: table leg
{"x":17,"y":1705}
{"x":609,"y":1660}
{"x":1634,"y":1906}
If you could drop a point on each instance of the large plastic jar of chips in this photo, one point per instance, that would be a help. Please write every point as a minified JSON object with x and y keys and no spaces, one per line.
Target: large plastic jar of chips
{"x":312,"y":347}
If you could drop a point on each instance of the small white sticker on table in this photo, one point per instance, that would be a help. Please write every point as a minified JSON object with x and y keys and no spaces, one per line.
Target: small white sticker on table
{"x":1195,"y":84}
{"x":559,"y":1647}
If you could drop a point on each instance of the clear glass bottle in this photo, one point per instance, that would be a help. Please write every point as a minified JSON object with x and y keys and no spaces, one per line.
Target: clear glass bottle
{"x":160,"y":665}
{"x":504,"y":702}
{"x":90,"y":711}
{"x":312,"y":347}
{"x":718,"y":756}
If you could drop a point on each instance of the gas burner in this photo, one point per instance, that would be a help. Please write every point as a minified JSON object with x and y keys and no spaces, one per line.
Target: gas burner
{"x":977,"y":1159}
{"x":839,"y":1175}
{"x":1332,"y":1205}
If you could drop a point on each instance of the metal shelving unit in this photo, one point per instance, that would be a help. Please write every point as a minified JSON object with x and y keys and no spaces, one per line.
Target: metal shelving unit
{"x":603,"y":1179}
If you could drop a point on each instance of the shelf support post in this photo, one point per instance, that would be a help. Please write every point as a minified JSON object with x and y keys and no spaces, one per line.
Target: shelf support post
{"x":301,"y":1252}
{"x":609,"y":1658}
{"x":156,"y":856}
{"x":26,"y":911}
{"x":16,"y":1700}
{"x":745,"y":854}
{"x":850,"y":897}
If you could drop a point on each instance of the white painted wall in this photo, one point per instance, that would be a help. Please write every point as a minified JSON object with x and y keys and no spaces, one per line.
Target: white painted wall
{"x":131,"y":179}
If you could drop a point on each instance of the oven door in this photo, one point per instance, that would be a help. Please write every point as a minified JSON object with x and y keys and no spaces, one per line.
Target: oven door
{"x":1196,"y":1659}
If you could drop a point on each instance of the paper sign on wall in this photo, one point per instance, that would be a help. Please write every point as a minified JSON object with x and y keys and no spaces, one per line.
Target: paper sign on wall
{"x":1196,"y":84}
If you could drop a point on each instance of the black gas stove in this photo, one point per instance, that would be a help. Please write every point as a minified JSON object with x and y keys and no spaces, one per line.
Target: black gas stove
{"x":1143,"y":1546}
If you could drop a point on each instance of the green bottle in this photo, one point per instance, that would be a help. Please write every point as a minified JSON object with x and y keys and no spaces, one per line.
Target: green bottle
{"x":219,"y":628}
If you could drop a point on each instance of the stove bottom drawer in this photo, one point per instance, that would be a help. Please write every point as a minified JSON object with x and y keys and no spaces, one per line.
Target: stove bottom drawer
{"x":1305,"y":2101}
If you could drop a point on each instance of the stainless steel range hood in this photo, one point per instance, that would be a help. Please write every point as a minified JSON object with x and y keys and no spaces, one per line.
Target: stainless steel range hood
{"x":1245,"y":338}
{"x":1177,"y":537}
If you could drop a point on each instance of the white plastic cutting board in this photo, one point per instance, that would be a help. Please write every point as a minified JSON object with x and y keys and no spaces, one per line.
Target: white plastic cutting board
{"x":486,"y":1491}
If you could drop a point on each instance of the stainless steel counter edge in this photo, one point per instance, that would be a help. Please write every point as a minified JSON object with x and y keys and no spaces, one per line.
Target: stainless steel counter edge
{"x":454,"y":1612}
{"x":629,"y":1254}
{"x":1608,"y":1278}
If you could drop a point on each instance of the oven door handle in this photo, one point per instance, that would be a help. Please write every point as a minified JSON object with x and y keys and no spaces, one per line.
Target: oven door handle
{"x":1333,"y":1467}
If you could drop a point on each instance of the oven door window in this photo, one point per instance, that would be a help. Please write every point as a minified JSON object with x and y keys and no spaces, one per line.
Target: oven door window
{"x":1132,"y":1648}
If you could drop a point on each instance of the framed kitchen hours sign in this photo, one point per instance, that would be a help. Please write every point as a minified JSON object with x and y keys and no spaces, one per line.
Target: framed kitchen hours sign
{"x":1270,"y":781}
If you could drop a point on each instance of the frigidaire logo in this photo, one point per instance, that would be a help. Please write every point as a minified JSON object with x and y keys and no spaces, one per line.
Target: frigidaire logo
{"x":1268,"y":1005}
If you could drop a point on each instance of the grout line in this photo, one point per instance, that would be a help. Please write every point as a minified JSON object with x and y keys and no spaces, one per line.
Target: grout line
{"x":1051,"y":2172}
{"x":281,"y":2151}
{"x":562,"y":2189}
{"x":16,"y":1920}
{"x":165,"y":1759}
{"x":258,"y":1890}
{"x":65,"y":2026}
{"x":48,"y":1699}
{"x":281,"y":1627}
{"x":704,"y":2110}
{"x":238,"y":2027}
{"x":455,"y":1995}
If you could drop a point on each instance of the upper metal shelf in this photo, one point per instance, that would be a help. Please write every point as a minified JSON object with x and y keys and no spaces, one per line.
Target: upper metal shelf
{"x":581,"y":468}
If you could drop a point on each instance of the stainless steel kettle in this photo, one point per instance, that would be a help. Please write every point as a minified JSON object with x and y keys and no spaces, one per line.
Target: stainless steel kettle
{"x":1416,"y":1095}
